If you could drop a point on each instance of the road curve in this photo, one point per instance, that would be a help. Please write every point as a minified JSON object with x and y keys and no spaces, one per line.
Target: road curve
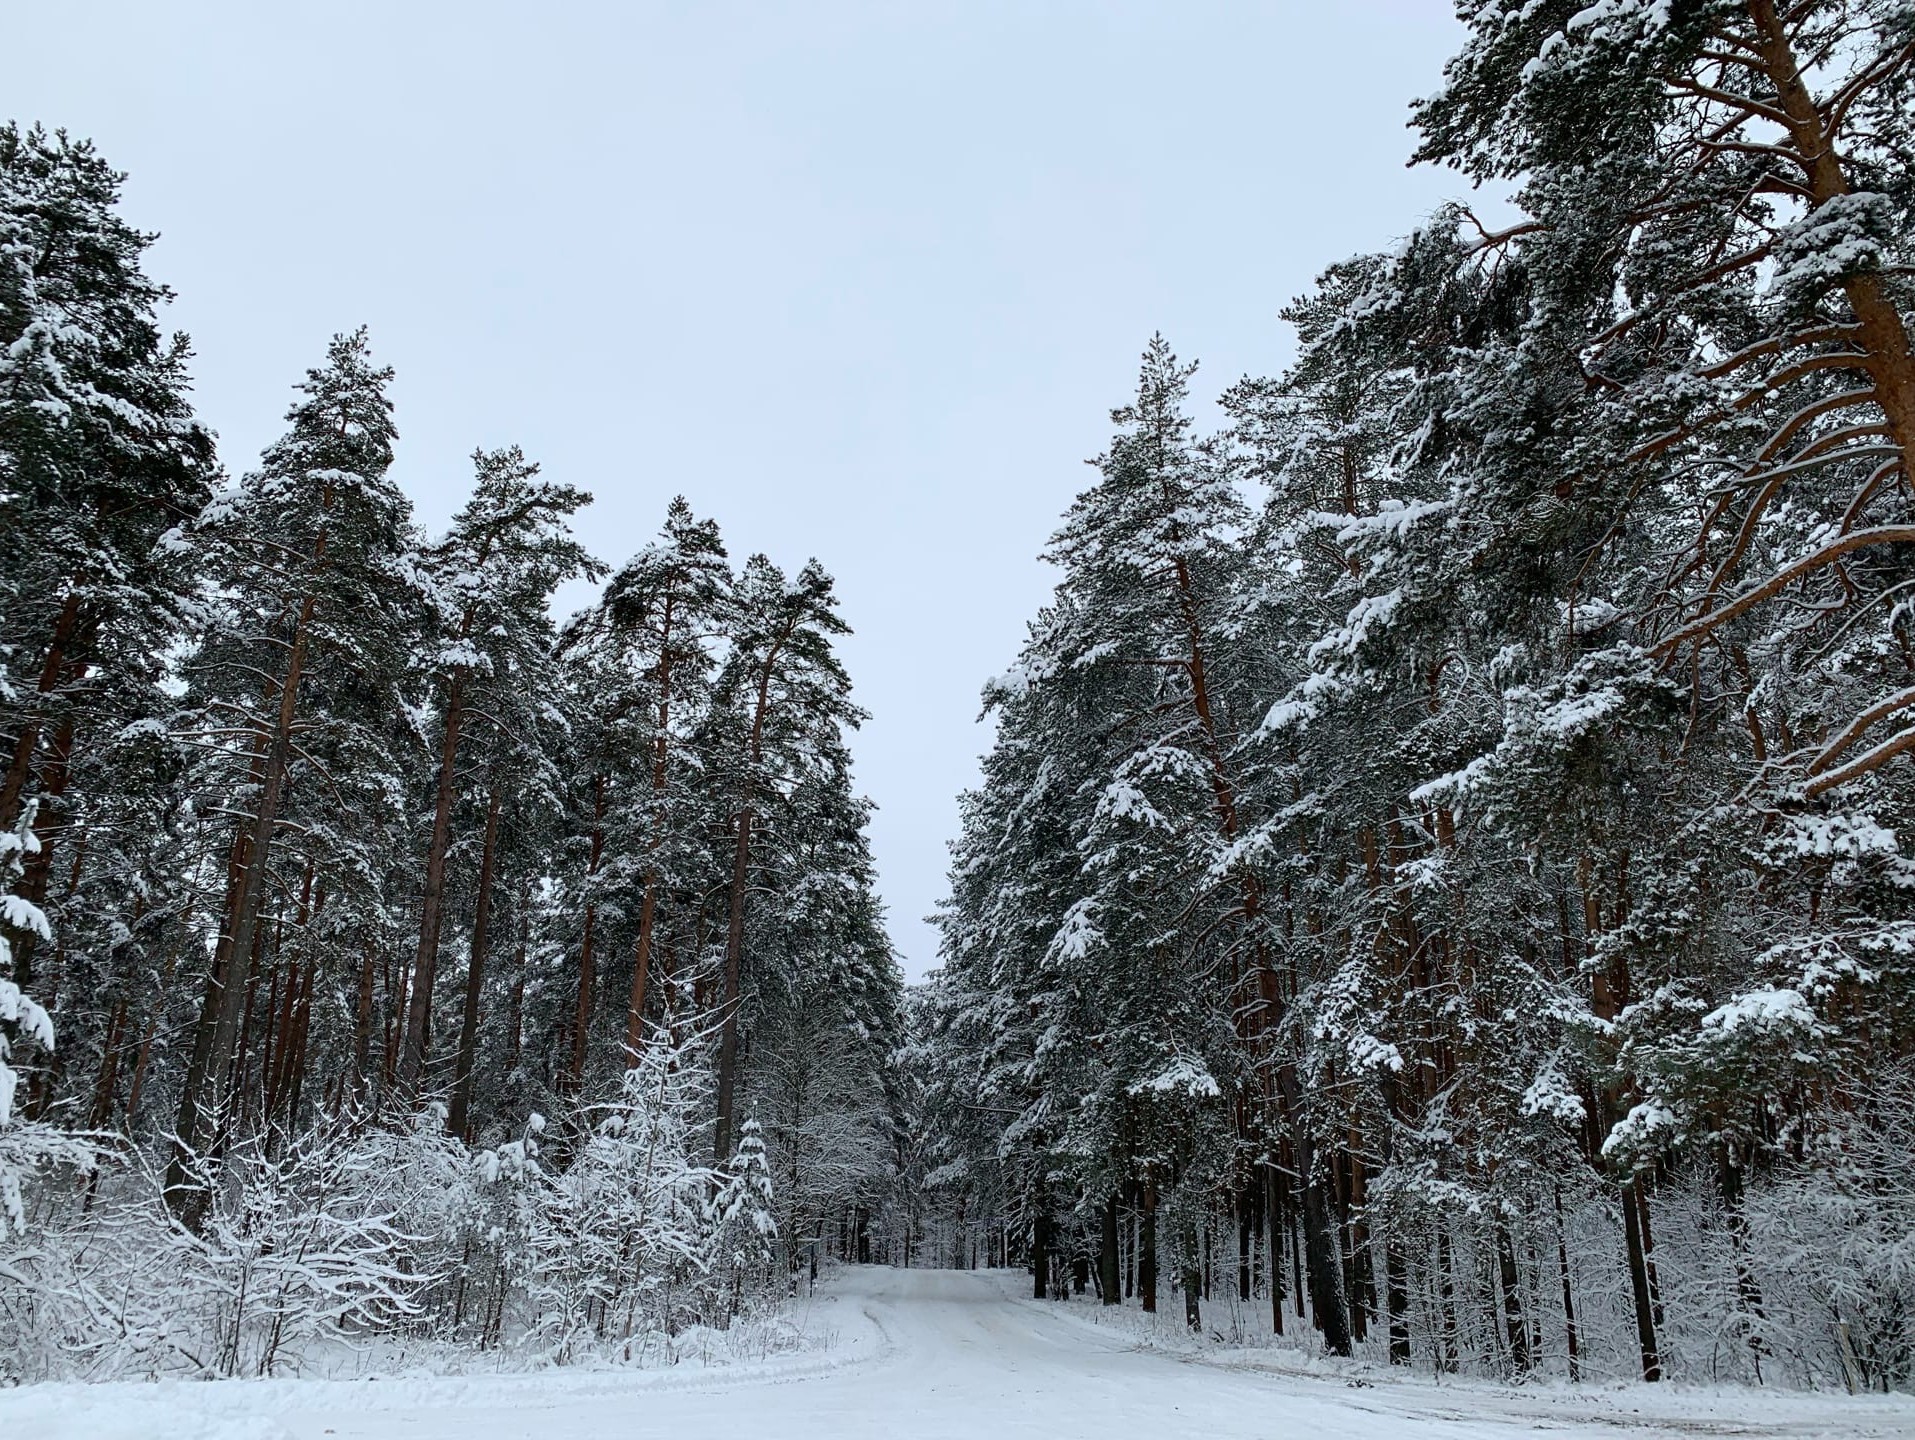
{"x":954,"y":1355}
{"x":949,"y":1356}
{"x":925,"y":1355}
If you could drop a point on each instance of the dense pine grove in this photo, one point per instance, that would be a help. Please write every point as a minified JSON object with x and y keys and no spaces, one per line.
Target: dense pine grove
{"x":1441,"y":881}
{"x":380,"y":959}
{"x":1438,"y":890}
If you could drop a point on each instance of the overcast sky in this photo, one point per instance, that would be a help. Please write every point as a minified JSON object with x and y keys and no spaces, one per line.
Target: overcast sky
{"x":861,"y":280}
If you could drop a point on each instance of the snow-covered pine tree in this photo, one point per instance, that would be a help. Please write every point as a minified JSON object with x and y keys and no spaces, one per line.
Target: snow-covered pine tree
{"x":825,"y":1007}
{"x":781,"y":703}
{"x":315,"y":610}
{"x":638,"y":668}
{"x":1708,"y":341}
{"x":1108,"y":882}
{"x":100,"y":457}
{"x":492,"y":576}
{"x":99,"y":452}
{"x":668,"y":606}
{"x":642,"y":1233}
{"x":283,"y":747}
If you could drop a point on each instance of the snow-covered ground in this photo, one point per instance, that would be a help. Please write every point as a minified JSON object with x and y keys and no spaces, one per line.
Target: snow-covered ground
{"x":929,"y":1355}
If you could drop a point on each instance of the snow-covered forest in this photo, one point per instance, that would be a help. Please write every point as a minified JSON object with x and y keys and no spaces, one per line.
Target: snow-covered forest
{"x":380,"y":958}
{"x":1438,"y":896}
{"x":1443,"y":871}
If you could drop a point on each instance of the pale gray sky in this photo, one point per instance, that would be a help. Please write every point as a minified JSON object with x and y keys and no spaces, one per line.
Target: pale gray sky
{"x":861,"y":279}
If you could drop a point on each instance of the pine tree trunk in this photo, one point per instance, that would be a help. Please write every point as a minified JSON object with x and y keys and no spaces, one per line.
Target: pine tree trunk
{"x":216,"y":1036}
{"x":1323,"y":1265}
{"x":243,"y":1094}
{"x":1206,"y":1256}
{"x":362,"y":1022}
{"x":161,"y":1003}
{"x":515,"y":1020}
{"x":281,"y":992}
{"x":732,"y":999}
{"x":587,"y":965}
{"x":1512,"y":1301}
{"x":1747,"y":1288}
{"x":1639,"y":1287}
{"x":1365,"y":1300}
{"x":1649,"y":1251}
{"x":1354,"y":1238}
{"x":1396,"y":1284}
{"x":20,"y":763}
{"x":641,"y":973}
{"x":102,"y":1110}
{"x":729,"y":1000}
{"x":294,"y":1071}
{"x":1890,"y":363}
{"x":1322,"y":1257}
{"x":1294,"y":1230}
{"x":648,"y":906}
{"x":1193,"y":1280}
{"x":276,"y":1061}
{"x":392,"y":1021}
{"x":425,"y":962}
{"x":1128,"y":1239}
{"x":458,"y":1116}
{"x":1246,"y":1221}
{"x":1107,"y":1277}
{"x":1040,"y":1254}
{"x":37,"y":874}
{"x":1572,"y":1339}
{"x":1147,"y":1250}
{"x":1534,"y":1311}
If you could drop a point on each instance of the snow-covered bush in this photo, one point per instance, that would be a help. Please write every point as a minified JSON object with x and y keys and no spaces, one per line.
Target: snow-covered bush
{"x":354,"y":1234}
{"x":642,"y":1236}
{"x":304,"y":1240}
{"x":1838,"y":1234}
{"x":489,"y":1215}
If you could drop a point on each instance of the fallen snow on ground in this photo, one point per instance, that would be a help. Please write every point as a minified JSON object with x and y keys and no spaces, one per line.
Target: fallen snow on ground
{"x":1538,"y":1404}
{"x":935,"y":1355}
{"x":817,"y":1336}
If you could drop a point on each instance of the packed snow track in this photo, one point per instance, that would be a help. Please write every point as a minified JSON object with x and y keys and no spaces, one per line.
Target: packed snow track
{"x":919,"y":1355}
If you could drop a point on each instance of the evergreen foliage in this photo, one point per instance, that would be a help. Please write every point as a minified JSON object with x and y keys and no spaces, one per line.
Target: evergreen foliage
{"x":1469,"y":896}
{"x":1440,"y":874}
{"x":366,"y":866}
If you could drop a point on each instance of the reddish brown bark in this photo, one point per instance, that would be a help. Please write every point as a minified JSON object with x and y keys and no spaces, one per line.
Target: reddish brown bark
{"x":102,"y":1111}
{"x":20,"y":763}
{"x":648,"y":906}
{"x":458,"y":1115}
{"x":1889,"y":362}
{"x":732,"y":996}
{"x":425,"y":962}
{"x":216,"y":1037}
{"x":515,"y":1019}
{"x":38,"y":871}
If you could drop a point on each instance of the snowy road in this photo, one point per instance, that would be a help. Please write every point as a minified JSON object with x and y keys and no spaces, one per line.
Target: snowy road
{"x":929,"y":1355}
